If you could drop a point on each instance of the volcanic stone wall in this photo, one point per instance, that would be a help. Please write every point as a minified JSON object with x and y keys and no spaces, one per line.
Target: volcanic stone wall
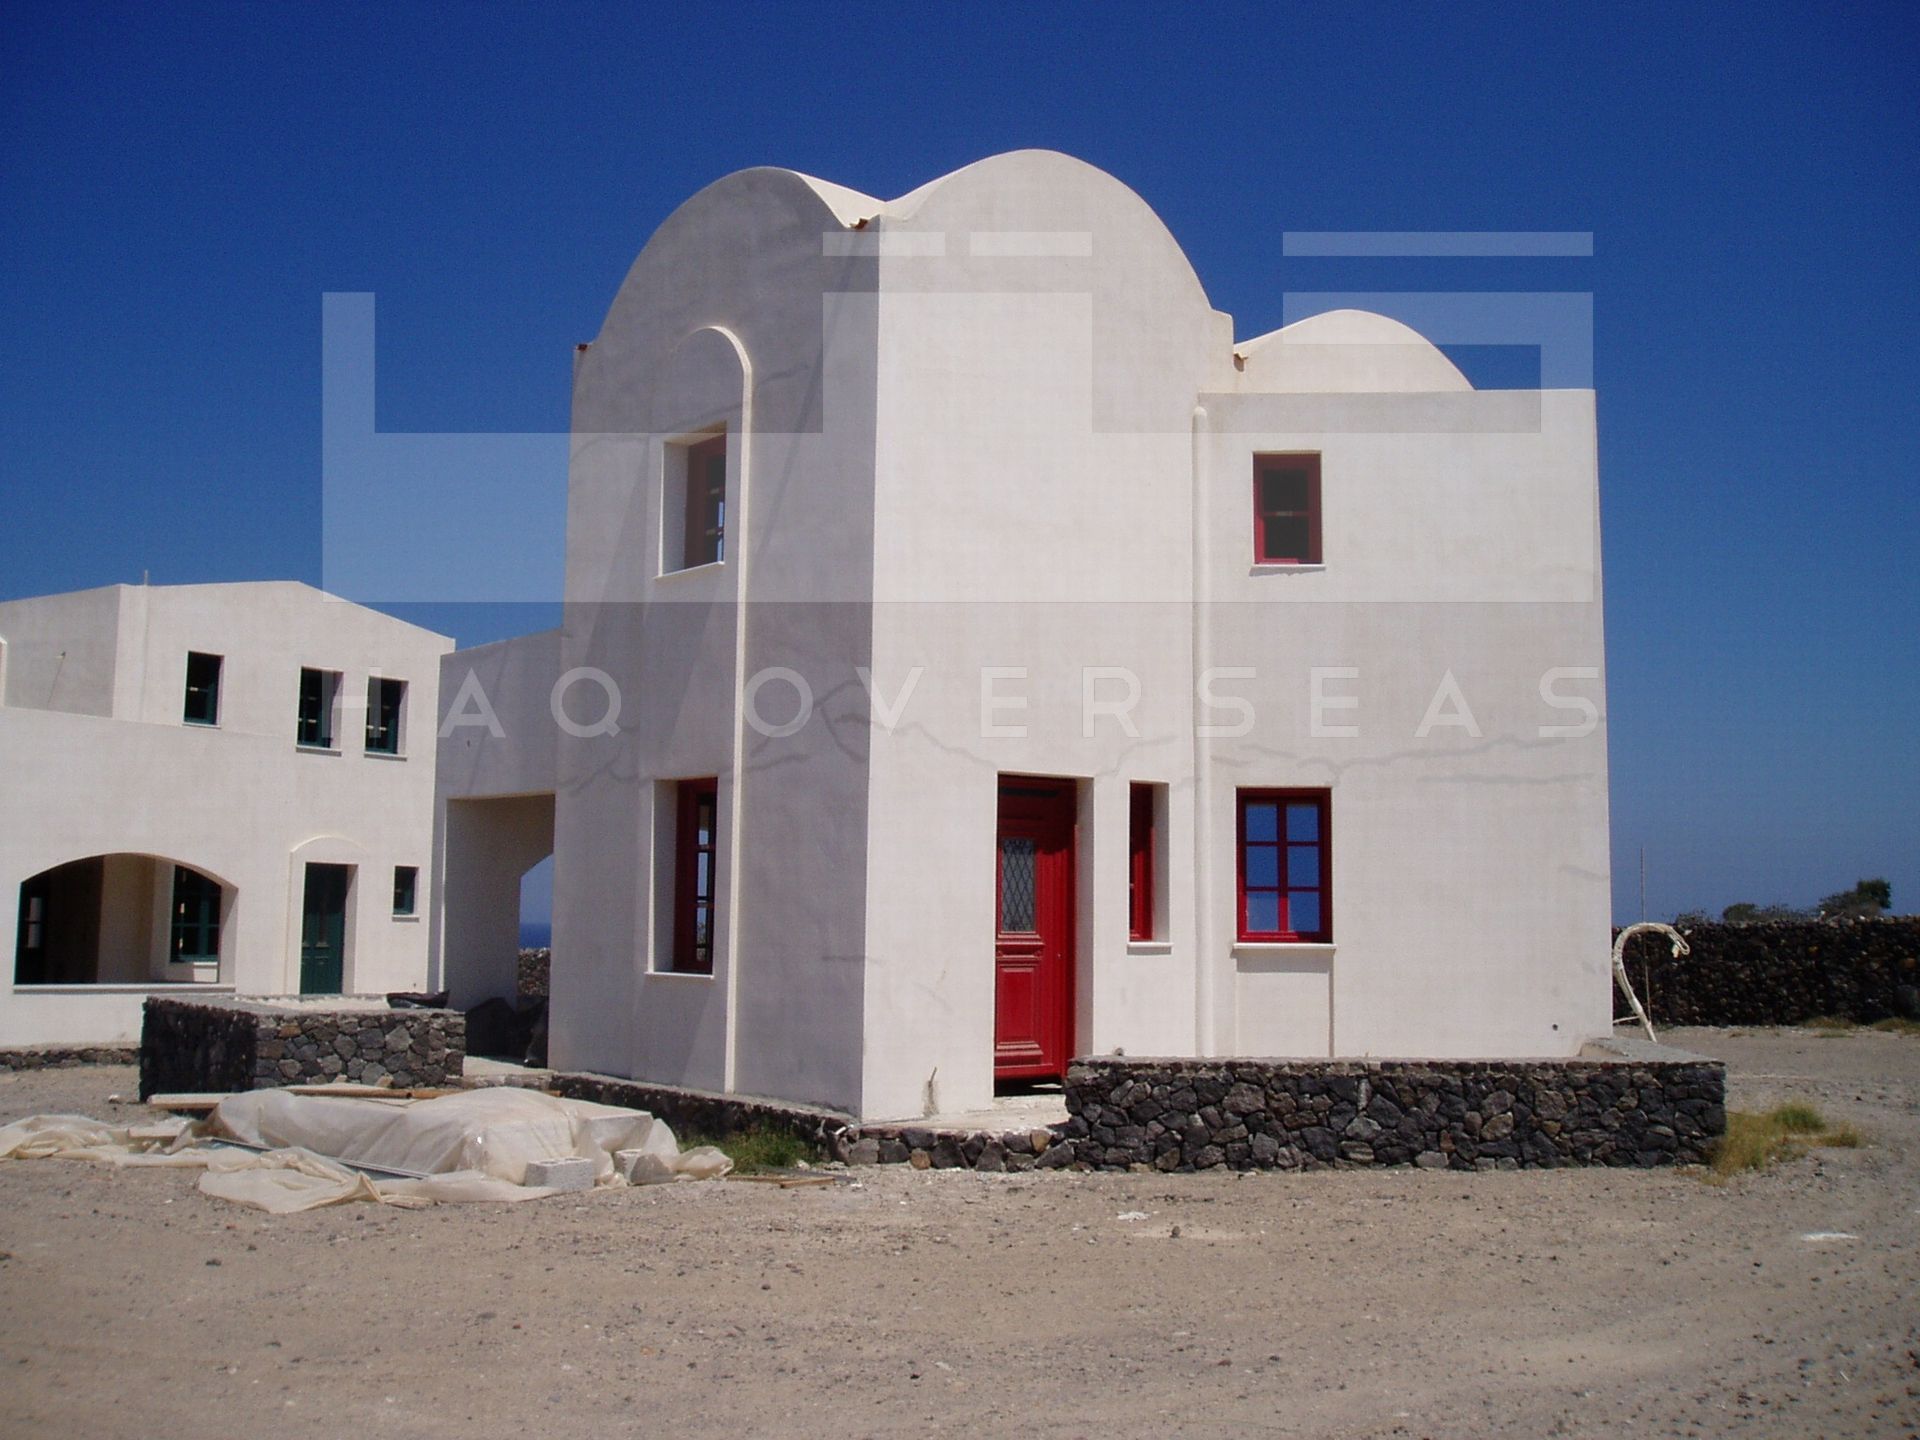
{"x":1457,"y":1115}
{"x":1780,"y":972}
{"x":535,"y":966}
{"x":221,"y":1046}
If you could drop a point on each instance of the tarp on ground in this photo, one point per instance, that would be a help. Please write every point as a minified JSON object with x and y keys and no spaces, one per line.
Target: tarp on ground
{"x":474,"y":1145}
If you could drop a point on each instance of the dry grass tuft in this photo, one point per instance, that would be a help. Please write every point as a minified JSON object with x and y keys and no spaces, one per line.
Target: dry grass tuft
{"x":1753,"y":1142}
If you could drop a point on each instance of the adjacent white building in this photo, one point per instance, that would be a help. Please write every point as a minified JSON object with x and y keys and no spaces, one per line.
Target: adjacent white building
{"x":974,"y":656}
{"x":219,"y":786}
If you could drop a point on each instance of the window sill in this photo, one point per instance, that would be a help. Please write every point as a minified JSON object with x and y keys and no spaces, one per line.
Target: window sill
{"x":1283,"y":947}
{"x":701,"y":569}
{"x":412,"y":919}
{"x":316,"y":749}
{"x":1286,"y":567}
{"x":383,"y":754}
{"x":201,"y":724}
{"x":680,"y":975}
{"x":1149,"y":947}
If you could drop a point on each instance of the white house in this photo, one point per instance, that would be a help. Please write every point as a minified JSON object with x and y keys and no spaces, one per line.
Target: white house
{"x":222,"y":786}
{"x":974,"y":656}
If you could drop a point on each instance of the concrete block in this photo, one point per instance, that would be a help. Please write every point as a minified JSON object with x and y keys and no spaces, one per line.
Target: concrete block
{"x":565,"y":1172}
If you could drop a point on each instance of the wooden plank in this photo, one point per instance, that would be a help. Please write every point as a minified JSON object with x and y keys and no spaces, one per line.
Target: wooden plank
{"x":198,"y":1104}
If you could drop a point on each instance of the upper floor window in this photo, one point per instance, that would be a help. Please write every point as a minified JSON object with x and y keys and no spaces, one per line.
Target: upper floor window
{"x":697,"y":490}
{"x":1283,"y":870}
{"x":1286,"y":509}
{"x":319,"y":693}
{"x":384,"y":700}
{"x":203,"y":689}
{"x":406,"y":882}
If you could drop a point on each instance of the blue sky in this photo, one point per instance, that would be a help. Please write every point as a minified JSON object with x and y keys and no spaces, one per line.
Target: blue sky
{"x":179,"y":187}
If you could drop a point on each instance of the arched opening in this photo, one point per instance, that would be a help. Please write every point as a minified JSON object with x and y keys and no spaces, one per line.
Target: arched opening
{"x":121,"y":919}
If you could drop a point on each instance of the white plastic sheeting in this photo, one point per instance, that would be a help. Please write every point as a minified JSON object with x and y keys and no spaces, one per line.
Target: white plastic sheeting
{"x":474,"y":1145}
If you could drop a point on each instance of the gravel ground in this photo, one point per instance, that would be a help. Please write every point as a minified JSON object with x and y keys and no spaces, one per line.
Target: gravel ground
{"x":1572,"y":1302}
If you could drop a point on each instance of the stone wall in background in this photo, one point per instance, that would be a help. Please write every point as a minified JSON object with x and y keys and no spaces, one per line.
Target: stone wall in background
{"x":222,"y":1046}
{"x":535,"y":966}
{"x":1780,"y":972}
{"x":1456,"y":1114}
{"x":62,"y":1057}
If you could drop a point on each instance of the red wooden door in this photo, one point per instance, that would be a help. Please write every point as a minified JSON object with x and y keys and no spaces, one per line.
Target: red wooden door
{"x":1033,"y":930}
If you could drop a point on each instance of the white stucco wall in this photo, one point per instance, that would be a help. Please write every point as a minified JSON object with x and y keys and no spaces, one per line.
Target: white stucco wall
{"x":735,"y":315}
{"x":238,"y":801}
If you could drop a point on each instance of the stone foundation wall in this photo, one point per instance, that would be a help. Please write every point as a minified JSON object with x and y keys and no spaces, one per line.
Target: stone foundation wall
{"x":221,"y":1046}
{"x":1780,"y":972}
{"x":712,"y":1116}
{"x":1179,"y":1115}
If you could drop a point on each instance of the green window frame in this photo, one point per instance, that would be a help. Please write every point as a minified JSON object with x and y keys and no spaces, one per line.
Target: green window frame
{"x":196,"y":918}
{"x":384,"y":700}
{"x":202,"y":705}
{"x":406,"y":887}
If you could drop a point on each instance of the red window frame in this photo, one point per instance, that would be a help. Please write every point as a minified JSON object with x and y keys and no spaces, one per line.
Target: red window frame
{"x":705,"y":540}
{"x":696,"y":836}
{"x":1289,"y":864}
{"x":1269,"y":548}
{"x":1142,"y":843}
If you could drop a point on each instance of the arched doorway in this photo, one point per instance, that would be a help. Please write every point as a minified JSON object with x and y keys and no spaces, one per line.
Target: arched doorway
{"x":121,"y":919}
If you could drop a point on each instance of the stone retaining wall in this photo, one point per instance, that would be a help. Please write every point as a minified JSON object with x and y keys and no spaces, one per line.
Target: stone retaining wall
{"x":835,"y":1135}
{"x":1460,"y":1115}
{"x":1780,"y":972}
{"x":220,"y":1046}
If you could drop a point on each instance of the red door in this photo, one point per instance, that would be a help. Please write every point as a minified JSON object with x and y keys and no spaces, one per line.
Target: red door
{"x":1033,"y":930}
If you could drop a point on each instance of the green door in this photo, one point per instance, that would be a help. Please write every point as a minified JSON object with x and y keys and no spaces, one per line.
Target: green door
{"x":323,"y":929}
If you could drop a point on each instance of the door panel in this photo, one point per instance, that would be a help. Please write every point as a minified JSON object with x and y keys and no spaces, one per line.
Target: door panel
{"x":1033,"y":930}
{"x":323,"y":929}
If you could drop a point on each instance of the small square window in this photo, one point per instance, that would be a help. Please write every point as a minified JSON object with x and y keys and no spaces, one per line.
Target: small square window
{"x":203,"y":689}
{"x":1286,"y":509}
{"x":319,"y":694}
{"x":1282,"y":866}
{"x":384,"y":700}
{"x":406,"y":881}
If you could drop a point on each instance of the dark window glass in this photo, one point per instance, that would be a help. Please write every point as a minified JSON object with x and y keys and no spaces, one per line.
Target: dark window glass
{"x":203,"y":689}
{"x":406,"y":879}
{"x":383,"y":714}
{"x":1142,"y":845}
{"x":196,"y":916}
{"x":317,"y":688}
{"x":706,"y":519}
{"x":695,"y":840}
{"x":1018,"y":857}
{"x":1286,"y":509}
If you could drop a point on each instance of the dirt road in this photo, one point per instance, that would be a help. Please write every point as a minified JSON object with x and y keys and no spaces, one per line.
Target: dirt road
{"x":1574,"y":1302}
